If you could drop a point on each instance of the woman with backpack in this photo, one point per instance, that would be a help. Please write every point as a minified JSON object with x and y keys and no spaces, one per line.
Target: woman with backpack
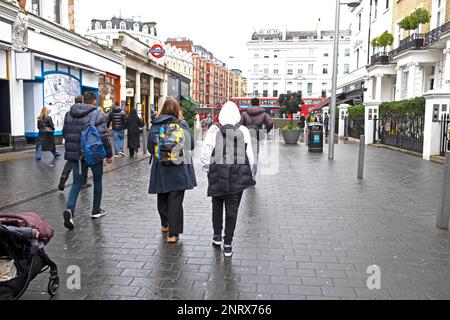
{"x":135,"y":125}
{"x":46,"y":138}
{"x":172,"y":172}
{"x":227,"y":156}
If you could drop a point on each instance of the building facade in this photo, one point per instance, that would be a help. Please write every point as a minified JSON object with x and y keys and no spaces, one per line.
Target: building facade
{"x":211,"y":80}
{"x":238,"y":84}
{"x":149,"y":79}
{"x":284,"y":61}
{"x":44,"y":64}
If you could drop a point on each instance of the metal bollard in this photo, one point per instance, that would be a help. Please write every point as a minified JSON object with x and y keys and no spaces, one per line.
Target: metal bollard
{"x":144,"y":140}
{"x":362,"y":153}
{"x":444,"y":207}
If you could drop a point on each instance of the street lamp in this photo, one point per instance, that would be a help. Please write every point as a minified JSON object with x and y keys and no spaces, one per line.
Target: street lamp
{"x":352,"y":4}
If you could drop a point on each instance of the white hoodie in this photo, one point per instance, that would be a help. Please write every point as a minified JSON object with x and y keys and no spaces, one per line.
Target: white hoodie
{"x":229,"y":115}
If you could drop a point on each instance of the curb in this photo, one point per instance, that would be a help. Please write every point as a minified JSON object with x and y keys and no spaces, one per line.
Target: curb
{"x":383,"y":146}
{"x":53,"y":190}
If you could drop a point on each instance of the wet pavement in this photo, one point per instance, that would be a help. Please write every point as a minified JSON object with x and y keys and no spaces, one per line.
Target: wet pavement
{"x":308,"y":232}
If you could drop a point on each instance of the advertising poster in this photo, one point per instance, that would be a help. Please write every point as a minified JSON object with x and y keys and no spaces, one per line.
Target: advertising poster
{"x":60,"y":91}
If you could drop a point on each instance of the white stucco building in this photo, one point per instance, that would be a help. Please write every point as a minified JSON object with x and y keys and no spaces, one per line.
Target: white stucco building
{"x":283,"y":61}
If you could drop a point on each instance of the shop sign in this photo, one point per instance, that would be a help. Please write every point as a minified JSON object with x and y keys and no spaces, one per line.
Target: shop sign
{"x":130,"y":92}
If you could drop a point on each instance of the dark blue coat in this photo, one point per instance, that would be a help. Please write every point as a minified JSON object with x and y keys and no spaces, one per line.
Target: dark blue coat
{"x":164,"y":179}
{"x":75,"y":122}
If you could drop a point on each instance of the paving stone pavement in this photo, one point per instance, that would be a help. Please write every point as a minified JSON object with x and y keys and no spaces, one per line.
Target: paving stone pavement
{"x":309,"y":232}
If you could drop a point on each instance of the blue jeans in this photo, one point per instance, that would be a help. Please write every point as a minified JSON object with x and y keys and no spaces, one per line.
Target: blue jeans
{"x":119,"y":141}
{"x":97,"y":172}
{"x":39,"y":152}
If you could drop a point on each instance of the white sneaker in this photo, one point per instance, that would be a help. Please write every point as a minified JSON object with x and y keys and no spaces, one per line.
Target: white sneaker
{"x":68,"y":220}
{"x":122,"y":154}
{"x":98,"y":214}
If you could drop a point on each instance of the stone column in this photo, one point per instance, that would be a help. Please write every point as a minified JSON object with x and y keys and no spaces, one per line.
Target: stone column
{"x":413,"y":67}
{"x":398,"y":95}
{"x":164,"y":90}
{"x":137,"y":93}
{"x":446,"y":84}
{"x":152,"y":93}
{"x":343,"y":112}
{"x":379,"y":88}
{"x":17,"y":106}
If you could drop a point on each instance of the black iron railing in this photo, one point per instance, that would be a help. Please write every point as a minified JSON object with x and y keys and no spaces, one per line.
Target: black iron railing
{"x":436,"y":34}
{"x":415,"y":41}
{"x":401,"y":131}
{"x":355,"y":127}
{"x":445,"y":133}
{"x":379,"y":58}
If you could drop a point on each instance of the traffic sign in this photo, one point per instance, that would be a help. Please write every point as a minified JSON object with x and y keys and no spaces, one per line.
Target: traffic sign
{"x":157,"y":51}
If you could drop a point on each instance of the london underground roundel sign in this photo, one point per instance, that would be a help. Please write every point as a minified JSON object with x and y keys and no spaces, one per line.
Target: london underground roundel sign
{"x":157,"y":51}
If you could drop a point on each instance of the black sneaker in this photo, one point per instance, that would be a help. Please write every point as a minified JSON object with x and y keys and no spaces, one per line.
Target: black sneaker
{"x":227,"y":251}
{"x":86,"y":186}
{"x":68,"y":220}
{"x":217,"y":241}
{"x":96,"y":214}
{"x":61,"y":186}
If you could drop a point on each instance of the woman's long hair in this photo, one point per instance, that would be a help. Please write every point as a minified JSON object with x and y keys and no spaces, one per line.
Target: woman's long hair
{"x":171,"y":107}
{"x":44,"y":114}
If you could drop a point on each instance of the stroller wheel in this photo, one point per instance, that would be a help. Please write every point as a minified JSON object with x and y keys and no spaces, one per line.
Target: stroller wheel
{"x":53,"y":286}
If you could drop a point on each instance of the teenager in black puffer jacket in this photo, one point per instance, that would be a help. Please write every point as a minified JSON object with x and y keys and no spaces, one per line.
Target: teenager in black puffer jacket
{"x":228,"y":174}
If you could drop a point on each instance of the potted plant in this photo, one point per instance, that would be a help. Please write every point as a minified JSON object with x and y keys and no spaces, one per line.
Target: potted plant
{"x":413,"y":21}
{"x":384,"y":40}
{"x":290,"y":104}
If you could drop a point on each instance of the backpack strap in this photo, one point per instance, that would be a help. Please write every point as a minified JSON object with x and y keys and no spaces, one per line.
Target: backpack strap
{"x":94,"y":117}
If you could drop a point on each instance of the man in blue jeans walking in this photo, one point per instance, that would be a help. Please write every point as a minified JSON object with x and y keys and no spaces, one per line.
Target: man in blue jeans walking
{"x":74,"y":123}
{"x":119,"y":122}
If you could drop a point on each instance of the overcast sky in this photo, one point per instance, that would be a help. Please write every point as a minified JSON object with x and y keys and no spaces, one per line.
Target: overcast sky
{"x":222,"y":27}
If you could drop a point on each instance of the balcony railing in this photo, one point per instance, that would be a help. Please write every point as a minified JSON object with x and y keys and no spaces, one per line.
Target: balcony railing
{"x":414,"y":41}
{"x":435,"y":35}
{"x":379,"y":58}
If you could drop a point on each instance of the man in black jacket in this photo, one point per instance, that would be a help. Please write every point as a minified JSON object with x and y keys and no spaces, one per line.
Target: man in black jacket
{"x":74,"y":123}
{"x":118,"y":119}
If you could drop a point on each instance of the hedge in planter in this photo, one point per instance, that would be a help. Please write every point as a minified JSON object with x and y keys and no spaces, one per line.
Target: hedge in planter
{"x":413,"y":107}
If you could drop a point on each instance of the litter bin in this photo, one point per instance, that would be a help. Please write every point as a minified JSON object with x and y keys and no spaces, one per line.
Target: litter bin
{"x":315,"y":137}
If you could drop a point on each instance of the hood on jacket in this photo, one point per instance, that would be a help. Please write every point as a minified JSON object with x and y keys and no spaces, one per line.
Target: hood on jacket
{"x":81,"y":110}
{"x":163,"y":118}
{"x":254,"y":111}
{"x":230,"y":114}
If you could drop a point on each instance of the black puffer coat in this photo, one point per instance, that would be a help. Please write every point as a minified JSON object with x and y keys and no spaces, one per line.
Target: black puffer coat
{"x":46,"y":134}
{"x":134,"y":130}
{"x":229,"y":174}
{"x":118,"y":119}
{"x":75,"y":122}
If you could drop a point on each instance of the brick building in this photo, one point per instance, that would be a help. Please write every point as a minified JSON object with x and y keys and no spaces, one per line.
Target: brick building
{"x":211,"y":80}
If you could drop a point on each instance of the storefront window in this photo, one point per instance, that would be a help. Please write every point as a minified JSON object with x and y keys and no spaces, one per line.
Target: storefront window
{"x":109,"y":92}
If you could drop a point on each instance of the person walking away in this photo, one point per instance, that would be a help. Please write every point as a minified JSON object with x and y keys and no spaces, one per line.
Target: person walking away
{"x":68,"y":166}
{"x":326,"y":124}
{"x":172,"y":173}
{"x":255,"y":119}
{"x":135,"y":126}
{"x":76,"y":121}
{"x":46,"y":138}
{"x":227,"y":157}
{"x":118,"y":119}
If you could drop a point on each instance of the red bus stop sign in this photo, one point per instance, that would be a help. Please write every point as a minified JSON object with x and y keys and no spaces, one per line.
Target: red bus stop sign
{"x":157,"y":51}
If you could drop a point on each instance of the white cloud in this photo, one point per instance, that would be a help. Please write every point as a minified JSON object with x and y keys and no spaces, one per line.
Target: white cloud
{"x":222,"y":27}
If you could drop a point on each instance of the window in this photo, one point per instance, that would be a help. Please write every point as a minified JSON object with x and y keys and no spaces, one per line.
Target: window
{"x":36,"y":7}
{"x":299,"y":87}
{"x":255,"y":68}
{"x":357,"y":58}
{"x":347,"y":52}
{"x":346,"y":68}
{"x":266,"y":57}
{"x":123,"y":25}
{"x":387,"y":4}
{"x":290,"y":72}
{"x":359,"y":21}
{"x":256,"y":55}
{"x":325,"y":54}
{"x":375,"y":9}
{"x":311,"y":52}
{"x":57,"y":10}
{"x":310,"y":69}
{"x":136,"y":27}
{"x":300,"y":71}
{"x":324,"y":93}
{"x":265,"y":90}
{"x":325,"y":69}
{"x":98,"y":26}
{"x":266,"y":69}
{"x":145,"y":29}
{"x":109,"y":25}
{"x":275,"y":71}
{"x":310,"y":89}
{"x":439,"y":13}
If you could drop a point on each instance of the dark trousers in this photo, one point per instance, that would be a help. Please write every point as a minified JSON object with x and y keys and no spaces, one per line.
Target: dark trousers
{"x":97,"y":171}
{"x":68,"y":169}
{"x":133,"y":151}
{"x":232,"y":204}
{"x":170,"y":207}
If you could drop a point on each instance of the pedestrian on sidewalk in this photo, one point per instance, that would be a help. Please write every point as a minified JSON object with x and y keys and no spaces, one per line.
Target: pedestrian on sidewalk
{"x":76,"y":120}
{"x":326,"y":124}
{"x":118,"y":119}
{"x":46,"y":139}
{"x":172,"y":173}
{"x":227,"y":156}
{"x":68,"y":166}
{"x":135,"y":126}
{"x":256,"y":119}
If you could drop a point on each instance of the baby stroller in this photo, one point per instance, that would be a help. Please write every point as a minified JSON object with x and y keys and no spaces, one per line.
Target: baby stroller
{"x":22,"y":255}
